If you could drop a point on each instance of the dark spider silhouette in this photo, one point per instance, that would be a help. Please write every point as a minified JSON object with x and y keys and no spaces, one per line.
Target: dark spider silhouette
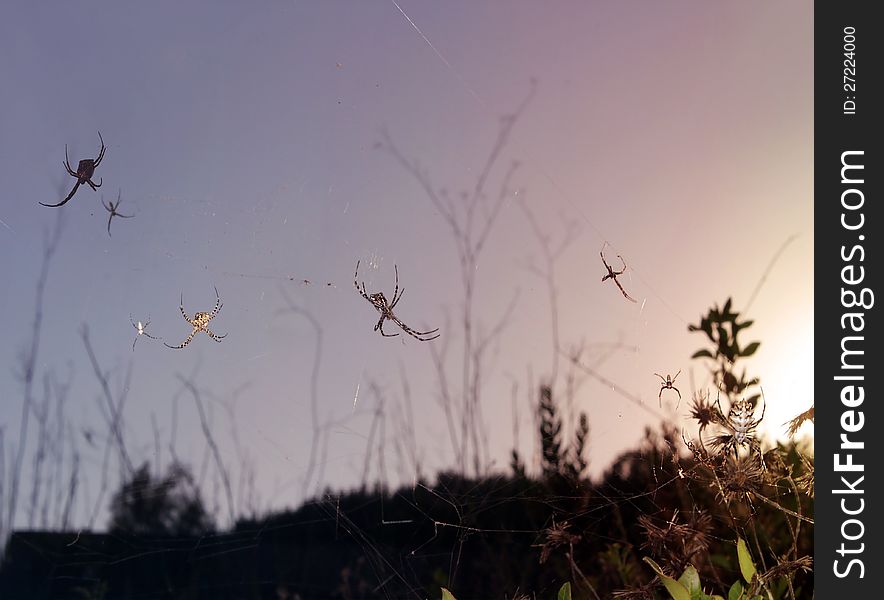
{"x":200,"y":322}
{"x":612,"y":274}
{"x":112,"y":209}
{"x":85,"y":170}
{"x":667,"y":384}
{"x":379,"y":301}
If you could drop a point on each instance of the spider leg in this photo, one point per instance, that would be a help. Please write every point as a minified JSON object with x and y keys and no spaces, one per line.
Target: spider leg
{"x":395,"y":289}
{"x":624,"y":265}
{"x":679,"y":397}
{"x":100,"y":152}
{"x":122,"y":216}
{"x":380,"y":327}
{"x":182,"y":344}
{"x":676,"y":375}
{"x":150,"y":336}
{"x":94,"y":185}
{"x":660,"y":396}
{"x":604,"y":262}
{"x":397,"y":298}
{"x":215,"y":337}
{"x":67,"y":162}
{"x":218,"y":304}
{"x":661,"y":377}
{"x":109,"y":222}
{"x":627,"y":296}
{"x":420,"y":335}
{"x":362,"y":291}
{"x":181,"y":308}
{"x":71,"y":195}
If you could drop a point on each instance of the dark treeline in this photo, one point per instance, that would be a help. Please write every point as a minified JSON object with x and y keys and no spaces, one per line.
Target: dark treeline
{"x":491,"y":537}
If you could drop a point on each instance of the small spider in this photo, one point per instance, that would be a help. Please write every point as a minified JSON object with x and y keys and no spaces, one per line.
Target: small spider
{"x":141,"y":328}
{"x":612,"y":274}
{"x":84,"y":172}
{"x":112,"y":209}
{"x":379,"y":301}
{"x":740,"y":425}
{"x":667,"y":384}
{"x":200,"y":322}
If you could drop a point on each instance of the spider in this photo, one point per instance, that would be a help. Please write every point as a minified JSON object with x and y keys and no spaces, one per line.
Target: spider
{"x":379,"y":301}
{"x":112,"y":209}
{"x":141,"y":328}
{"x":667,"y":384}
{"x":740,"y":426}
{"x":84,"y":172}
{"x":200,"y":322}
{"x":612,"y":274}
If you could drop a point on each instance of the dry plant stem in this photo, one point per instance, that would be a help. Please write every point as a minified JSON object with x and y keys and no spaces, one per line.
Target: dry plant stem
{"x":210,"y":440}
{"x":29,"y":365}
{"x":780,"y":507}
{"x":156,"y":445}
{"x":470,"y":231}
{"x":551,"y":255}
{"x":406,"y":434}
{"x":314,"y":391}
{"x":114,"y":415}
{"x":72,"y":485}
{"x":99,"y":501}
{"x":575,"y":568}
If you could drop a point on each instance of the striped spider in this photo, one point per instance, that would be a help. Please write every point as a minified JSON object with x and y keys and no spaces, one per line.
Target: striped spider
{"x":200,"y":322}
{"x":667,"y":384}
{"x":379,"y":301}
{"x":612,"y":274}
{"x":740,"y":425}
{"x":141,"y":328}
{"x":84,"y":172}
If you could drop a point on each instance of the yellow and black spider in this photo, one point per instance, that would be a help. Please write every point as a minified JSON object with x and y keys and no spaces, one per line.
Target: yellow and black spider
{"x":200,"y":322}
{"x":379,"y":301}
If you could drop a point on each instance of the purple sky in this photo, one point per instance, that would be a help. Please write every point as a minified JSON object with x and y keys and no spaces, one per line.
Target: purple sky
{"x":243,"y":140}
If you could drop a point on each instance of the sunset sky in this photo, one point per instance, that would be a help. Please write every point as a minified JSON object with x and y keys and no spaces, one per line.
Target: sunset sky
{"x":243,"y":139}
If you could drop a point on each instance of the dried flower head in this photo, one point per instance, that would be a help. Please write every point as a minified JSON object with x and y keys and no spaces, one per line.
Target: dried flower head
{"x":795,"y":424}
{"x":805,"y":480}
{"x":556,"y":536}
{"x":677,"y":543}
{"x":645,"y":592}
{"x":741,"y":477}
{"x":703,"y":410}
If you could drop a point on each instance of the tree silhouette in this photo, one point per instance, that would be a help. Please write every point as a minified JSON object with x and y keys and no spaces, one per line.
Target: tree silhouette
{"x":170,"y":506}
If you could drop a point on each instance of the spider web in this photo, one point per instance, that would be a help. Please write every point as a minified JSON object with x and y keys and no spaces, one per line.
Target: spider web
{"x":367,"y":423}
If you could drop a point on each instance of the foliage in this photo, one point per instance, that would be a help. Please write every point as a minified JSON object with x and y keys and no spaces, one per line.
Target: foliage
{"x":170,"y":506}
{"x":722,"y":327}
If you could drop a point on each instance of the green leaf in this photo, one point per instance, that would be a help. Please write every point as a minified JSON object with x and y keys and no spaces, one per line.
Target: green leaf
{"x":703,"y":354}
{"x":675,"y":589}
{"x":736,"y":591}
{"x":691,"y":580}
{"x":565,"y":591}
{"x":747,"y":567}
{"x":446,"y":595}
{"x":750,"y":349}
